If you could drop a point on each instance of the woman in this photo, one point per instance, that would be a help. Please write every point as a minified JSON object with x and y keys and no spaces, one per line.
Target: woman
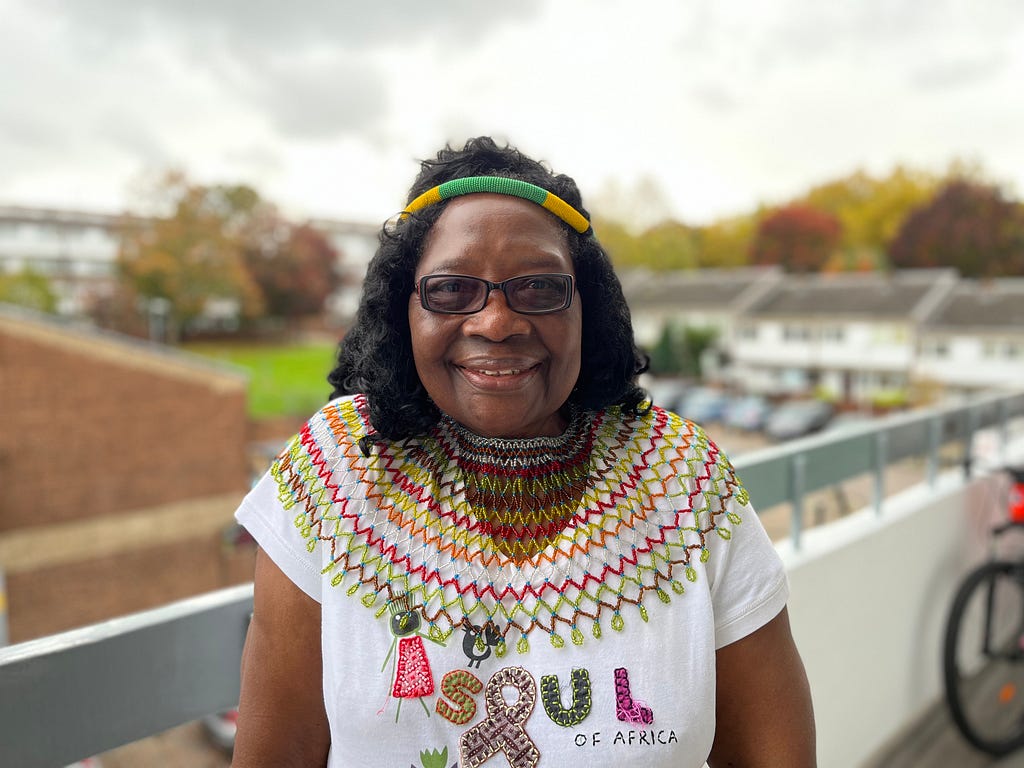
{"x":490,"y":519}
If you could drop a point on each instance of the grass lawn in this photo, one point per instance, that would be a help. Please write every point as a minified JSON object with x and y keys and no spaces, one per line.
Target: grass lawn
{"x":285,"y":379}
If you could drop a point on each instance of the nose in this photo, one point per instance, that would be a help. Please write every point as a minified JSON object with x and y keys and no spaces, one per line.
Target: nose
{"x":496,"y":321}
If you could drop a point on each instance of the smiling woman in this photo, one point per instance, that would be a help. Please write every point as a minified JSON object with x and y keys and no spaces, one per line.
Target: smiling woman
{"x":488,"y":471}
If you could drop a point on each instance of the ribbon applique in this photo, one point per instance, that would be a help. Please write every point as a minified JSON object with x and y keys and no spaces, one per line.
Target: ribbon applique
{"x":502,"y":730}
{"x":626,"y":708}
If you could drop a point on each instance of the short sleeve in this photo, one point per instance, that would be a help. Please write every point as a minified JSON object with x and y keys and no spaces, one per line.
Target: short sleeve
{"x":748,"y":580}
{"x":264,"y":516}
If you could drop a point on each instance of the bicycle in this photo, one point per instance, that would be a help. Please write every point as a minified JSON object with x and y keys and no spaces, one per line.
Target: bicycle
{"x":983,"y":651}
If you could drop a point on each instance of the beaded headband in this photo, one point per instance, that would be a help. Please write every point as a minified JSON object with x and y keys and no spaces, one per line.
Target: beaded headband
{"x":501,"y":186}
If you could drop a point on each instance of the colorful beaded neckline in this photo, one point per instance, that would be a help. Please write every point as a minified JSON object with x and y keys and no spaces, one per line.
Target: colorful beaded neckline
{"x":626,"y":504}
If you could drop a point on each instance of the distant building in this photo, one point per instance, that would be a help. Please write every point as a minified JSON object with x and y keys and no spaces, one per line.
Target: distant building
{"x":77,"y":251}
{"x":707,"y":298}
{"x":848,"y":334}
{"x":975,"y":336}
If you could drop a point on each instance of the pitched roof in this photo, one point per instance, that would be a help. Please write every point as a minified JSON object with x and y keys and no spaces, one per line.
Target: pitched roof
{"x":897,"y":295}
{"x":717,"y":289}
{"x":982,"y":305}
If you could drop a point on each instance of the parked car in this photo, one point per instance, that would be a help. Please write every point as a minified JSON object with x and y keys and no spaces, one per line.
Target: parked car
{"x":797,"y":418}
{"x":220,"y":728}
{"x":748,"y":412}
{"x":666,"y":393}
{"x":704,"y":405}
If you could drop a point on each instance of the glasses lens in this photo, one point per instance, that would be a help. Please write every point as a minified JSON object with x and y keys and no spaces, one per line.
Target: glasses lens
{"x":452,"y":293}
{"x":538,"y":293}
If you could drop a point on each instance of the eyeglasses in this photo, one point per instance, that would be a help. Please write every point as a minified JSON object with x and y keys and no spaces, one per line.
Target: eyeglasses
{"x":464,"y":295}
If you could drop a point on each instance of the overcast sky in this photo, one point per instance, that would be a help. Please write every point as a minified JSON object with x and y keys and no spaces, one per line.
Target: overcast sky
{"x":325,"y":107}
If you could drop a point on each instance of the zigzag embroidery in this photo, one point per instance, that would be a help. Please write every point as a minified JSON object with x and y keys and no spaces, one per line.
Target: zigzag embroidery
{"x":623,"y":525}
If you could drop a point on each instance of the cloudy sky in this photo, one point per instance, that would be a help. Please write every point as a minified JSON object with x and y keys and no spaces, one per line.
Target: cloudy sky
{"x":325,"y":106}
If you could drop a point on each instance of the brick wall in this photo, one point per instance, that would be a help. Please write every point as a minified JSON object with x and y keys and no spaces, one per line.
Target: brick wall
{"x":119,"y":469}
{"x":92,"y":427}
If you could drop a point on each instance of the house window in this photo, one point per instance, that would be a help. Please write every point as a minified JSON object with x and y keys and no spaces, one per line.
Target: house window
{"x":746,"y":332}
{"x":796,"y":333}
{"x":833,"y":333}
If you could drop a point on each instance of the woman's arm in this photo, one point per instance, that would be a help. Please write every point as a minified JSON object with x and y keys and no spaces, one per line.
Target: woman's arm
{"x":763,"y":713}
{"x":282,"y":721}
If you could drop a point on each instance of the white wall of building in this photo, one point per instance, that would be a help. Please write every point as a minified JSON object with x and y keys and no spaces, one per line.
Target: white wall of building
{"x":869,"y":601}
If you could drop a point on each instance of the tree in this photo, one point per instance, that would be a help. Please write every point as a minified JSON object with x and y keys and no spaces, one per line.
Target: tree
{"x":297,"y":273}
{"x":194,"y":255}
{"x":680,"y":349}
{"x":28,"y":288}
{"x":726,"y":242}
{"x":798,"y":237}
{"x":969,"y":225}
{"x":669,"y":245}
{"x":872,"y":209}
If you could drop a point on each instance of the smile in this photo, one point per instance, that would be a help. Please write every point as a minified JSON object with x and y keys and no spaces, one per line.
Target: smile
{"x":510,"y":374}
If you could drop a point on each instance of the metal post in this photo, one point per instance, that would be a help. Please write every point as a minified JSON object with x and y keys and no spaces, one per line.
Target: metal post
{"x":4,"y":634}
{"x":881,"y":463}
{"x":971,"y":428}
{"x":798,"y":471}
{"x":1004,"y":429}
{"x":934,"y":440}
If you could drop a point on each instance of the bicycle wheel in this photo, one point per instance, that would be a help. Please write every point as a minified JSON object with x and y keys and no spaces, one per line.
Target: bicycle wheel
{"x":983,"y":658}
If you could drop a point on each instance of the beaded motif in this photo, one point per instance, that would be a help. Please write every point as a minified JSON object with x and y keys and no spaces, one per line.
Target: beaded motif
{"x":632,"y":502}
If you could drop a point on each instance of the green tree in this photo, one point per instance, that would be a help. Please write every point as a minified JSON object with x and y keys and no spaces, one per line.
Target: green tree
{"x":28,"y":288}
{"x":680,"y":349}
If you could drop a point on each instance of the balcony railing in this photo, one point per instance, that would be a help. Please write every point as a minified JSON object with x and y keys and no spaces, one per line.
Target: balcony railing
{"x":89,"y":690}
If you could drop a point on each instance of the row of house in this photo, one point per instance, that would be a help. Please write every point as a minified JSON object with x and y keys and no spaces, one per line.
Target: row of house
{"x":853,"y":335}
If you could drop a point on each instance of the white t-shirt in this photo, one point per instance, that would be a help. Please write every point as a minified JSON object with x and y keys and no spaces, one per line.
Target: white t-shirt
{"x":599,"y":648}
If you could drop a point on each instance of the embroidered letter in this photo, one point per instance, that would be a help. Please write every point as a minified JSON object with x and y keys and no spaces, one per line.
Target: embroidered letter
{"x":552,"y":698}
{"x":458,"y":685}
{"x":626,"y":709}
{"x":502,"y":730}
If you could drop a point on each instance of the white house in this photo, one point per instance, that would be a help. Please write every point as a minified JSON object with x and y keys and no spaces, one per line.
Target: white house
{"x":707,"y":298}
{"x":975,"y":336}
{"x":849,"y":334}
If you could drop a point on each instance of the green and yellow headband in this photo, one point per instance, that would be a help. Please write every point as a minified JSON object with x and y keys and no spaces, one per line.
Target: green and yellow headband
{"x":501,"y":186}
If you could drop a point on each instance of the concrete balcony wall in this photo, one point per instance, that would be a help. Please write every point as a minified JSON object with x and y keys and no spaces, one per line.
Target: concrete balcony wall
{"x":869,"y":601}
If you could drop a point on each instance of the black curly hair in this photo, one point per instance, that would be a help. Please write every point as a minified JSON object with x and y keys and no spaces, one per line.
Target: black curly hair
{"x":375,"y":357}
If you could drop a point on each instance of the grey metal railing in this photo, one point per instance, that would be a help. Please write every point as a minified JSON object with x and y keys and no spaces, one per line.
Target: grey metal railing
{"x":83,"y":692}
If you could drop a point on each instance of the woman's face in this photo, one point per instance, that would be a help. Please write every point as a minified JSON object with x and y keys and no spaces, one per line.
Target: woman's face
{"x":497,"y":372}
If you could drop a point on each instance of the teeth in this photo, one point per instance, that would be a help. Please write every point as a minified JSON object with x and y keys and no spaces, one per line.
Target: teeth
{"x":510,"y":372}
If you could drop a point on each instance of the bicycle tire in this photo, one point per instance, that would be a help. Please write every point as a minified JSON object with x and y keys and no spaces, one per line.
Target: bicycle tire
{"x":985,"y":688}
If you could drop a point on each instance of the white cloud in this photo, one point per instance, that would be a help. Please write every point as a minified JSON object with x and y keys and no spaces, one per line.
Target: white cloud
{"x":326,"y":106}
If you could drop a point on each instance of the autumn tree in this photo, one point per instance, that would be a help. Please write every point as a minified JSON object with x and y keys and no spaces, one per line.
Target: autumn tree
{"x":668,"y":245}
{"x":969,"y":225}
{"x":797,"y":237}
{"x":295,"y":268}
{"x":192,"y":256}
{"x":871,"y":209}
{"x":726,"y":242}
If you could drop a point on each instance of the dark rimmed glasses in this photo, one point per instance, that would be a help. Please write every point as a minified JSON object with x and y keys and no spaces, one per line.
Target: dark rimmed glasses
{"x":526,"y":294}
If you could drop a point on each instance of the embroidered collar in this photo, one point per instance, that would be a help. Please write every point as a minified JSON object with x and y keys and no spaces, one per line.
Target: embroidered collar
{"x":621,"y":506}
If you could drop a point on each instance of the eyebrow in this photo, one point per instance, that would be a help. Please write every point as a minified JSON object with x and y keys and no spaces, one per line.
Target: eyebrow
{"x":531,"y":264}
